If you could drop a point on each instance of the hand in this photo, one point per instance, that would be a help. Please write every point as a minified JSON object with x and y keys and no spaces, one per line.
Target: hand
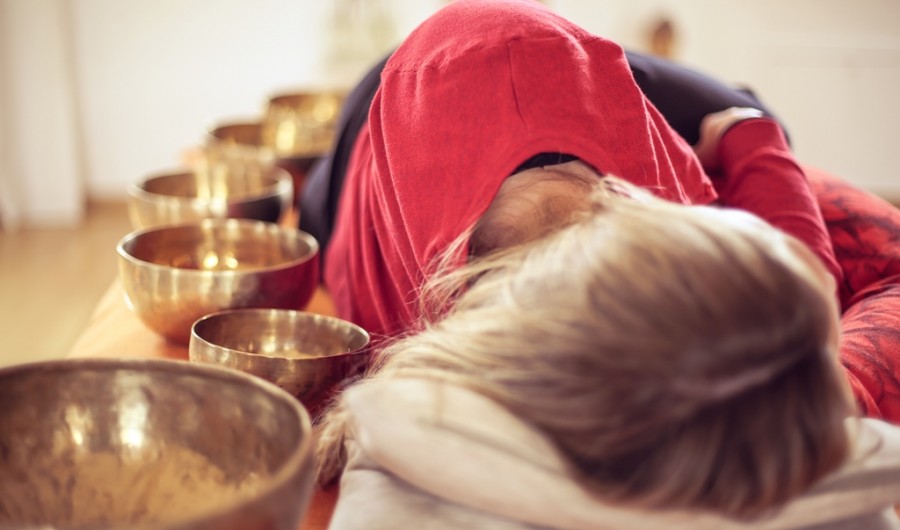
{"x":713,"y":127}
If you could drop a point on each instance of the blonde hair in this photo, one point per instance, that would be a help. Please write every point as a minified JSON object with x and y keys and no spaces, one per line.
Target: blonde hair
{"x":679,"y":357}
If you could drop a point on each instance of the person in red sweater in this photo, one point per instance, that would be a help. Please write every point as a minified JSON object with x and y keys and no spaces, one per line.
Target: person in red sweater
{"x":642,"y":365}
{"x":485,"y":90}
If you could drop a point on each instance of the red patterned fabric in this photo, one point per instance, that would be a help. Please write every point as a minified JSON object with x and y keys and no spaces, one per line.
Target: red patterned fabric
{"x":865,"y":232}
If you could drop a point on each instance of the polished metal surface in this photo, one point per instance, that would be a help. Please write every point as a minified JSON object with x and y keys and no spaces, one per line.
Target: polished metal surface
{"x":306,"y":354}
{"x":122,"y":444}
{"x":172,"y":275}
{"x":301,"y":124}
{"x":238,"y":146}
{"x":178,"y":196}
{"x":237,"y":133}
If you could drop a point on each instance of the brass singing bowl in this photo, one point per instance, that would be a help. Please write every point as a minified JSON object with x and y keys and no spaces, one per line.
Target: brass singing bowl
{"x":240,"y":147}
{"x":238,"y":142}
{"x":174,"y":274}
{"x":301,"y":124}
{"x":308,"y":355}
{"x":242,"y":133}
{"x":113,"y":444}
{"x":186,"y":195}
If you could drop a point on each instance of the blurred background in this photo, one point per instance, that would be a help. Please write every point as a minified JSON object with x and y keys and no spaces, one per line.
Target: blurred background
{"x":97,"y":94}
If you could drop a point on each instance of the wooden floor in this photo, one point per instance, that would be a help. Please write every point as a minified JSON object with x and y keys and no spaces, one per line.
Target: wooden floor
{"x":50,"y":280}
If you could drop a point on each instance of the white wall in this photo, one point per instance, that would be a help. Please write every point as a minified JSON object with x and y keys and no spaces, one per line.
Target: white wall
{"x":835,"y":81}
{"x":829,"y":68}
{"x":96,"y":94}
{"x":151,"y":76}
{"x":41,"y":178}
{"x":154,"y":75}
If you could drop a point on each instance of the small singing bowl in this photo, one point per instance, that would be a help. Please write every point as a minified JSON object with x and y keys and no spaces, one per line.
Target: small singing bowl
{"x":169,"y":445}
{"x":174,"y":274}
{"x":240,"y":146}
{"x":238,"y":142}
{"x":301,"y":124}
{"x":306,"y":354}
{"x":188,"y":195}
{"x":239,"y":132}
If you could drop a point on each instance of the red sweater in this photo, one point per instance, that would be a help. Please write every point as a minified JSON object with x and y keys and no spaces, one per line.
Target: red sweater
{"x":476,"y":90}
{"x":760,"y":175}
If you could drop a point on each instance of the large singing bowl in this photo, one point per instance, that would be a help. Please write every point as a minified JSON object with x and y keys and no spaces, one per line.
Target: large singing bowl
{"x":173,"y":275}
{"x":166,"y":445}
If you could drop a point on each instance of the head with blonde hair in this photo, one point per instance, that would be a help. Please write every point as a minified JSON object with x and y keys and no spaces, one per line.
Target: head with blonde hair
{"x":678,"y":357}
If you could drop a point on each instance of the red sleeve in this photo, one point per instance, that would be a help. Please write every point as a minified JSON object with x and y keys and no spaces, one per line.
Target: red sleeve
{"x":760,"y":175}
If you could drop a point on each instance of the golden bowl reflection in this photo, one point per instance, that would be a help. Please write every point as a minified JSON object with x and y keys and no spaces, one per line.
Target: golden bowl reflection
{"x":186,"y":195}
{"x":112,"y":444}
{"x":301,"y":124}
{"x":173,"y":275}
{"x":308,"y":355}
{"x":238,"y":143}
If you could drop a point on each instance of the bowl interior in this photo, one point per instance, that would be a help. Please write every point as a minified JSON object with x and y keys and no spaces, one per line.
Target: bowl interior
{"x":120,"y":444}
{"x":220,"y":246}
{"x":280,"y":333}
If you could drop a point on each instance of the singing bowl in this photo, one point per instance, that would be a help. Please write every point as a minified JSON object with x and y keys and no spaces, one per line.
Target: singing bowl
{"x":301,"y":124}
{"x":185,"y":195}
{"x":174,"y":274}
{"x":166,"y":445}
{"x":308,"y":355}
{"x":241,"y":147}
{"x":238,"y":142}
{"x":247,"y":133}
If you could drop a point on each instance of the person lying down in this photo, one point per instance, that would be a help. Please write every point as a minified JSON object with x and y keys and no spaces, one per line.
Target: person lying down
{"x":485,"y":89}
{"x":642,"y":364}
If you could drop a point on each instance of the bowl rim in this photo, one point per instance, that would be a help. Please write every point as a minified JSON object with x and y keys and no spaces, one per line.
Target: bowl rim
{"x":278,"y":96}
{"x":211,"y":131}
{"x":283,"y":184}
{"x":308,"y":238}
{"x":300,"y":453}
{"x":363,"y":350}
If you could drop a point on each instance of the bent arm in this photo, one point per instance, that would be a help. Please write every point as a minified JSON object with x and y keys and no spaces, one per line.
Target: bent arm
{"x":759,"y":174}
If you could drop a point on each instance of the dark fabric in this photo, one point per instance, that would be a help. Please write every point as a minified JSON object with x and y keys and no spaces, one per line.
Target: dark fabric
{"x":685,"y":96}
{"x":545,"y":159}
